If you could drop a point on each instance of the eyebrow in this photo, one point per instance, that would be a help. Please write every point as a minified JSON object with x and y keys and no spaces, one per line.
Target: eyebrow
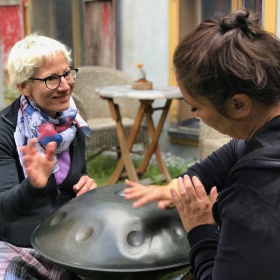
{"x":64,"y":71}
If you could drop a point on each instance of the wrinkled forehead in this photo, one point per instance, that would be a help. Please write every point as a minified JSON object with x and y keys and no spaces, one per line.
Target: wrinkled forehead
{"x":52,"y":64}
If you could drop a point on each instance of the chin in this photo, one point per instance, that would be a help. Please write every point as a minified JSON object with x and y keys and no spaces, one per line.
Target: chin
{"x":66,"y":107}
{"x":62,"y":107}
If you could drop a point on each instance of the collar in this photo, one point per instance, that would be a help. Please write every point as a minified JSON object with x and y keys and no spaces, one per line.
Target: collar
{"x":9,"y":113}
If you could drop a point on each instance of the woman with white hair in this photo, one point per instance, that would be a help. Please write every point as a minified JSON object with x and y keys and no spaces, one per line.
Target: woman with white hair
{"x":42,"y":152}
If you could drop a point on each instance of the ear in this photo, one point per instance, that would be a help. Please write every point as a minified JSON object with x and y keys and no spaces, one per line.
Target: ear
{"x":24,"y":88}
{"x":241,"y":105}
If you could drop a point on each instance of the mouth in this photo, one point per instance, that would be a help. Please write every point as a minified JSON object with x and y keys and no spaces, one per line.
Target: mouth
{"x":61,"y":97}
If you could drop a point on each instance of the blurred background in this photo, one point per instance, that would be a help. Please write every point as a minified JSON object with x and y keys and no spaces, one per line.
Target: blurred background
{"x":120,"y":34}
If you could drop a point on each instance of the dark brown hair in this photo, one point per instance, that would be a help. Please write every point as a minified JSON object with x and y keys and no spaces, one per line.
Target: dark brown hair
{"x":222,"y":57}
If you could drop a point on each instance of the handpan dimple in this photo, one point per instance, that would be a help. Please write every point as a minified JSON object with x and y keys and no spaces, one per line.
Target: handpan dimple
{"x":84,"y":234}
{"x":58,"y":218}
{"x":100,"y":235}
{"x":135,"y":238}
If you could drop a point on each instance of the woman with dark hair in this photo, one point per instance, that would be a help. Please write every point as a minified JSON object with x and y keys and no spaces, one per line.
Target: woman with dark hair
{"x":229,"y":73}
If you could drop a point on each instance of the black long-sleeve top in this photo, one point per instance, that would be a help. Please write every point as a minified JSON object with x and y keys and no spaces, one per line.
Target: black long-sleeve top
{"x":247,"y":243}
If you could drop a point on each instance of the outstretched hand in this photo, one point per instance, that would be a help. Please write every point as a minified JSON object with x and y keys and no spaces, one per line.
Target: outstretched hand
{"x":192,"y":202}
{"x":148,"y":194}
{"x":38,"y":167}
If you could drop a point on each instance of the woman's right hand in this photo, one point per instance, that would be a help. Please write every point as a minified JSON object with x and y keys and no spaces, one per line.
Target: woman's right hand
{"x":38,"y":167}
{"x":148,"y":194}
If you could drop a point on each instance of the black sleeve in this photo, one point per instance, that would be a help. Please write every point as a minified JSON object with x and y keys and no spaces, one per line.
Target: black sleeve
{"x":17,"y":196}
{"x":246,"y":246}
{"x":213,"y":171}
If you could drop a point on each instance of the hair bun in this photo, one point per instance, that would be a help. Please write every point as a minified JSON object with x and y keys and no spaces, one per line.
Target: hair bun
{"x":239,"y":19}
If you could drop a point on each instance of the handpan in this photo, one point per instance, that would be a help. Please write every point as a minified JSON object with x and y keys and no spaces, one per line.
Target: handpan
{"x":100,"y":235}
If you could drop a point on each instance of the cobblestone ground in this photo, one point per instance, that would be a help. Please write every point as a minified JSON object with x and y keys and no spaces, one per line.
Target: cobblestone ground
{"x":170,"y":159}
{"x":176,"y":161}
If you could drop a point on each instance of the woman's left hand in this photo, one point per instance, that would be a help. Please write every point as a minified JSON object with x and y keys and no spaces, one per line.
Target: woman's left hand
{"x":84,"y":185}
{"x":193,"y":204}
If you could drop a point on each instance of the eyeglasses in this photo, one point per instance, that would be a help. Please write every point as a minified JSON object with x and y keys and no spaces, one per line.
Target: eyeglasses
{"x":53,"y":81}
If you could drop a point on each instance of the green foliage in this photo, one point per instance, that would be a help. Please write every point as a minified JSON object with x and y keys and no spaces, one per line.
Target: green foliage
{"x":10,"y":94}
{"x":102,"y":167}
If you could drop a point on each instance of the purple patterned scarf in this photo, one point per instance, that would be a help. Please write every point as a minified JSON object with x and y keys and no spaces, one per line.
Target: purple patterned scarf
{"x":33,"y":123}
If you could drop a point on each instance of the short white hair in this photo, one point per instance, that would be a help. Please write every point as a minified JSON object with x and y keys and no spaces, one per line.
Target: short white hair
{"x":29,"y":53}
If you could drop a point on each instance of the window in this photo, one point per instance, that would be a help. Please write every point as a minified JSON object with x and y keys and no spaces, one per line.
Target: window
{"x":254,"y":5}
{"x":214,"y":8}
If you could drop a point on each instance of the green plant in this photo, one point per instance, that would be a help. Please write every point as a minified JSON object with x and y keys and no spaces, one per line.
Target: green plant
{"x":102,"y":167}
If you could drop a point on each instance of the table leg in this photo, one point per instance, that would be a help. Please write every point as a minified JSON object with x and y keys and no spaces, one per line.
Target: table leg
{"x":155,"y":134}
{"x":131,"y":139}
{"x":160,"y":162}
{"x":125,"y":160}
{"x":125,"y":149}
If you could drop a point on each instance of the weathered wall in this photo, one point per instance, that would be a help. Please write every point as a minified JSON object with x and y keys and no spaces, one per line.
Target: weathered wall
{"x":11,"y":27}
{"x":11,"y":30}
{"x":142,"y":37}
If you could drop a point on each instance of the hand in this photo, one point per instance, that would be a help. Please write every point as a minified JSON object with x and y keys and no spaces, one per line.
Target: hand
{"x":84,"y":185}
{"x":193,"y":204}
{"x":38,"y":167}
{"x":147,"y":194}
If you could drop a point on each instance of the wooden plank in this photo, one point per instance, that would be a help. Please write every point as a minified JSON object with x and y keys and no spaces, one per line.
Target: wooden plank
{"x":99,"y":33}
{"x":269,"y":15}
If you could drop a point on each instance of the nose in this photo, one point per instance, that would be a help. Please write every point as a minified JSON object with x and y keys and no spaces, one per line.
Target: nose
{"x":63,"y":85}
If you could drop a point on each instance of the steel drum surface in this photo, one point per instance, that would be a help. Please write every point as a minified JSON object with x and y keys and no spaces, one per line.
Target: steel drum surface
{"x":99,"y":235}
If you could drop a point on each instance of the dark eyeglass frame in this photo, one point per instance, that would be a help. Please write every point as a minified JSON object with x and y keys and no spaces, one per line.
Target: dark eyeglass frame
{"x":59,"y":76}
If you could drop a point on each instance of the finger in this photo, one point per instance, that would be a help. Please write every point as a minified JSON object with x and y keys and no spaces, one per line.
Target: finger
{"x":76,"y":188}
{"x":32,"y":143}
{"x":50,"y":150}
{"x":135,"y":191}
{"x":80,"y":190}
{"x":175,"y":197}
{"x":85,"y":189}
{"x":166,"y":204}
{"x":84,"y":185}
{"x":150,"y":194}
{"x":32,"y":146}
{"x":94,"y":186}
{"x":83,"y":180}
{"x":189,"y":191}
{"x":129,"y":183}
{"x":29,"y":148}
{"x":132,"y":187}
{"x":199,"y":188}
{"x":181,"y":185}
{"x":177,"y":200}
{"x":140,"y":202}
{"x":90,"y":184}
{"x":213,"y":195}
